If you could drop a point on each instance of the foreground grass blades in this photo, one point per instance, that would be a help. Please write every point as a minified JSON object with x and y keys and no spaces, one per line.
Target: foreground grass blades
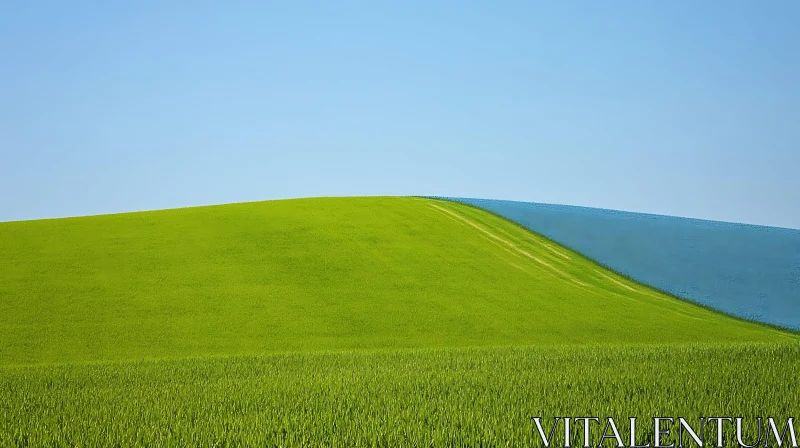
{"x":438,"y":397}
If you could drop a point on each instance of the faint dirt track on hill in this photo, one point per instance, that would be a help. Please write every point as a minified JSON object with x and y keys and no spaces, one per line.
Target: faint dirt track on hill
{"x":508,"y":243}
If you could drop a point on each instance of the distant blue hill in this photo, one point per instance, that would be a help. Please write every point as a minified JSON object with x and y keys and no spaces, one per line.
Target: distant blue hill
{"x":744,"y":270}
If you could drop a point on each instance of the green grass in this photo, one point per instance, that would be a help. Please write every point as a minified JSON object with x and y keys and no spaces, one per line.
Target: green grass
{"x":347,"y":322}
{"x":316,"y":274}
{"x":441,"y":397}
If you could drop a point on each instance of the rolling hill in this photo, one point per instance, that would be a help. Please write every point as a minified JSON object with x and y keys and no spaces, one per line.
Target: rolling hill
{"x":316,"y":274}
{"x":348,"y":322}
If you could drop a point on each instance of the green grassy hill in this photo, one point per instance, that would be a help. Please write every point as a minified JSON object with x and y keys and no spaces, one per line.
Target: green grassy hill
{"x":348,"y":322}
{"x":316,"y":274}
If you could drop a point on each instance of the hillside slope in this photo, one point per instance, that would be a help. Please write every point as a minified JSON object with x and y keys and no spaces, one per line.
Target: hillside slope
{"x":744,"y":270}
{"x":316,"y":274}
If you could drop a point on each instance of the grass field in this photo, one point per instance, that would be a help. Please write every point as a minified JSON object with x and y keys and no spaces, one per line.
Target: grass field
{"x":347,"y":322}
{"x":439,"y":397}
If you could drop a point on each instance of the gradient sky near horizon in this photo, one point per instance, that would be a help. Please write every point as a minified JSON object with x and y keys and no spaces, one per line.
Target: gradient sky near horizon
{"x":671,"y":107}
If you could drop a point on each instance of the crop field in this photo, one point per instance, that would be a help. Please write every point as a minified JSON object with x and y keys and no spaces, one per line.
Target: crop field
{"x":744,"y":270}
{"x":441,"y":397}
{"x":348,"y":322}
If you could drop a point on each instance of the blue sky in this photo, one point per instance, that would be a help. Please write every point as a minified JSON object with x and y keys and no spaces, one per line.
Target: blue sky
{"x":673,"y":107}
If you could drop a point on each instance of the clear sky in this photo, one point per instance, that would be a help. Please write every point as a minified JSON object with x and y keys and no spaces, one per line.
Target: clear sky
{"x":689,"y":108}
